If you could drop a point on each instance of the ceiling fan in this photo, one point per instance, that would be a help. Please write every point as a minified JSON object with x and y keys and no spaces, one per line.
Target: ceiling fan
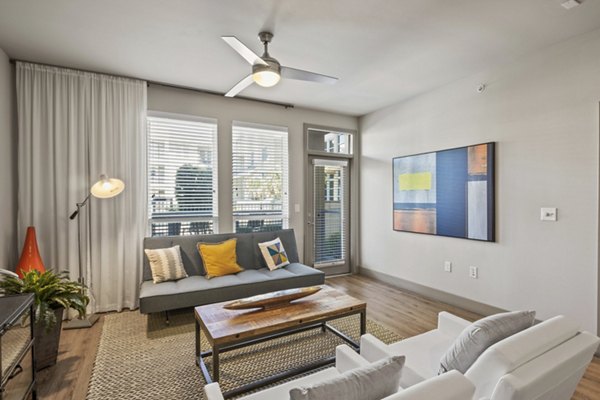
{"x":267,"y":71}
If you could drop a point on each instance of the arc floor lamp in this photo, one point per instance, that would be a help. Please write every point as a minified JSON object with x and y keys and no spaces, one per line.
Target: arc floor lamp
{"x":105,"y":188}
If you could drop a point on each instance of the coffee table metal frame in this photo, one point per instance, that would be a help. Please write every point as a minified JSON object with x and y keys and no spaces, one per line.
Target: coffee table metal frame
{"x":321,"y":323}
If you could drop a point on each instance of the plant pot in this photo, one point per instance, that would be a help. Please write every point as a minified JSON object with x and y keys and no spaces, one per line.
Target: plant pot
{"x":47,"y":341}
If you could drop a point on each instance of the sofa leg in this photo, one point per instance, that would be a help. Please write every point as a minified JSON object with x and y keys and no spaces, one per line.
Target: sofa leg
{"x":167,"y":321}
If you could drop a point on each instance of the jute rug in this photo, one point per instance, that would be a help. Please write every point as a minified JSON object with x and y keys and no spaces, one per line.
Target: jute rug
{"x":139,"y":357}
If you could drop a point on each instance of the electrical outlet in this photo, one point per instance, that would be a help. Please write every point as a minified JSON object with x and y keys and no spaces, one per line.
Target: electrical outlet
{"x":448,"y":266}
{"x":473,"y":272}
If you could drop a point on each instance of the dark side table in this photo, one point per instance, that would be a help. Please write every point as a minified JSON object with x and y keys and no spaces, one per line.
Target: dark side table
{"x":17,"y":363}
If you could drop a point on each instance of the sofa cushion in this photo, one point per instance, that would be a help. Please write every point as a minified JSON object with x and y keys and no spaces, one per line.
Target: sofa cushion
{"x":197,"y":290}
{"x":516,"y":350}
{"x":372,"y":382}
{"x":480,"y":335}
{"x":166,"y":264}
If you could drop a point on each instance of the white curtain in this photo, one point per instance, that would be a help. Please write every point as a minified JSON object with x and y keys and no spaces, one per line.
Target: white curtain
{"x":74,"y":126}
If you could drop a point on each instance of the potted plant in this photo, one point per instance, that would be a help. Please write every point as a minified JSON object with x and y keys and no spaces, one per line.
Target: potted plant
{"x":54,"y":293}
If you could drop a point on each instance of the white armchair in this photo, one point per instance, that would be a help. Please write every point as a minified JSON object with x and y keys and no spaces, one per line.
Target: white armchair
{"x":450,"y":386}
{"x":545,"y":361}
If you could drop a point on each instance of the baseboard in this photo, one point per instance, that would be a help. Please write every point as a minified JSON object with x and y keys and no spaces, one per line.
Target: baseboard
{"x":435,"y":294}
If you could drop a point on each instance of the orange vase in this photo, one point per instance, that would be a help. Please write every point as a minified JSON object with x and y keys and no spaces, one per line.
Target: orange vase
{"x":30,"y":256}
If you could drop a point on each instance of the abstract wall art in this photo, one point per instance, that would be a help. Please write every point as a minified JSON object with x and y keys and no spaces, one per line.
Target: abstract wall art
{"x":446,"y":193}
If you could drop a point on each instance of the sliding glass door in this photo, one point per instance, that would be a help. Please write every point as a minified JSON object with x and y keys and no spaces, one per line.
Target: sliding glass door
{"x":328,"y":215}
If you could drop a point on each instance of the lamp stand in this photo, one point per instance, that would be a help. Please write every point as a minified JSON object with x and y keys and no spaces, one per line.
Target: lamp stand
{"x":89,"y":320}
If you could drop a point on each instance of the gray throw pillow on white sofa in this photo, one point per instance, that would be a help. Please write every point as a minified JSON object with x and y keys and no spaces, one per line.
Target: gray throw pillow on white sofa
{"x":372,"y":382}
{"x":480,"y":335}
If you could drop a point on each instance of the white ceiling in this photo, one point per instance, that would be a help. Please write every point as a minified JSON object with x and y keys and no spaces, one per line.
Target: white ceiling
{"x":383,"y":51}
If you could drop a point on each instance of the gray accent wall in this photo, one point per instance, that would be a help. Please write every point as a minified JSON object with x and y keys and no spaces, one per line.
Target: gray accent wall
{"x":227,"y":110}
{"x":542,"y":111}
{"x":8,"y":165}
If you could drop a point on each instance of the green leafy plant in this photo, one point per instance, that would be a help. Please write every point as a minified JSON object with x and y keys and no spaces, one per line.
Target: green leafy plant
{"x":51,"y":290}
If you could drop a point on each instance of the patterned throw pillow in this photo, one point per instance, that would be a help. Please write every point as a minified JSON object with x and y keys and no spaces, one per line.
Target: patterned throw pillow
{"x":166,"y":264}
{"x":274,"y":254}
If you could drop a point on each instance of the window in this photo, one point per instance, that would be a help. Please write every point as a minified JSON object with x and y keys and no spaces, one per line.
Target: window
{"x":327,"y":141}
{"x":260,"y":177}
{"x":182,"y":175}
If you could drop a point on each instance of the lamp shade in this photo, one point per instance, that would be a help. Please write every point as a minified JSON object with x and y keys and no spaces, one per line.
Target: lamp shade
{"x":107,"y":187}
{"x":266,"y":78}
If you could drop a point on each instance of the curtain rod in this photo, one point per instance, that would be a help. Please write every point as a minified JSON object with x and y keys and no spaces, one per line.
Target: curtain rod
{"x":158,"y":83}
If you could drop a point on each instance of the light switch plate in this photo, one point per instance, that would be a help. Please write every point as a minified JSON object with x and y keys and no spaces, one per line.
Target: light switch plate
{"x":297,"y":208}
{"x":548,"y":214}
{"x":448,"y":266}
{"x":474,"y":272}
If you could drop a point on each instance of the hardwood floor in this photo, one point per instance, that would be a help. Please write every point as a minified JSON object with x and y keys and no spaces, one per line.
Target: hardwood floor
{"x":406,"y":313}
{"x":69,"y":378}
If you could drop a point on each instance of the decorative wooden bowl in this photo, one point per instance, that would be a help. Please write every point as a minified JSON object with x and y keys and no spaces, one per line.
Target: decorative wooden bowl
{"x":272,"y":300}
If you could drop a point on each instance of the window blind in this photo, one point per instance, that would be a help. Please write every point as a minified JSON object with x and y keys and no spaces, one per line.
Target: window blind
{"x":260,"y":177}
{"x":182,"y":175}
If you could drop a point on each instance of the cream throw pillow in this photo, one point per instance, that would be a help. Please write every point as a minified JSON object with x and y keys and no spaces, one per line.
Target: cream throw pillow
{"x":166,"y":264}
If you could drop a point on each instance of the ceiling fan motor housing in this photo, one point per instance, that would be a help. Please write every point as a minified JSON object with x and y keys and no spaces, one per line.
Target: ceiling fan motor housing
{"x":273,"y":65}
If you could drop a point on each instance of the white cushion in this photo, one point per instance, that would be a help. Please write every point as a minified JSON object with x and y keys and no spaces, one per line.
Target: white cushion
{"x":450,"y":386}
{"x":423,"y":353}
{"x":512,"y":352}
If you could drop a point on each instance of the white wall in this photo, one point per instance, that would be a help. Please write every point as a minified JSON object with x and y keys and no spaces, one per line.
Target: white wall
{"x":226,"y":110}
{"x":542,"y":110}
{"x":8,"y":168}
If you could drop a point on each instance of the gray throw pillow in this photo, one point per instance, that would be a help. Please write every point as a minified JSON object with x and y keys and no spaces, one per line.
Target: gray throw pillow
{"x":480,"y":335}
{"x":372,"y":382}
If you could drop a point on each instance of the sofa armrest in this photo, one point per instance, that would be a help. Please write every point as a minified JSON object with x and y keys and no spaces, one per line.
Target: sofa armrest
{"x":373,"y":349}
{"x":450,"y":324}
{"x":449,"y":386}
{"x":347,"y":359}
{"x":213,"y":391}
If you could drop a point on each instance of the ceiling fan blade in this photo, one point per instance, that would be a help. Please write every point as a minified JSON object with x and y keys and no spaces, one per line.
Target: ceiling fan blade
{"x":243,"y":50}
{"x":293,"y":73}
{"x":241,"y":85}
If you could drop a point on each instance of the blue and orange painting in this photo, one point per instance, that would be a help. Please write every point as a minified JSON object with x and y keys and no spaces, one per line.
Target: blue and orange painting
{"x":446,"y":193}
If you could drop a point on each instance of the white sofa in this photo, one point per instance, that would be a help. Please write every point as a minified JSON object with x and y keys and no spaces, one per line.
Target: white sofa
{"x":543,"y":362}
{"x":450,"y":386}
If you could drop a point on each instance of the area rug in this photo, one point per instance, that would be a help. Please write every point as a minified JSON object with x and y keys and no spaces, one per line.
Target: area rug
{"x":140,"y":357}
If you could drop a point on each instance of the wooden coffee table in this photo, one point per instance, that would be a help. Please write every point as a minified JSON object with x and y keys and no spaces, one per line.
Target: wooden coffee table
{"x":232,"y":329}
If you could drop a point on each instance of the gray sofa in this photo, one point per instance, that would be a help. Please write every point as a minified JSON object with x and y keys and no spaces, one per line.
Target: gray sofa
{"x":196,"y":290}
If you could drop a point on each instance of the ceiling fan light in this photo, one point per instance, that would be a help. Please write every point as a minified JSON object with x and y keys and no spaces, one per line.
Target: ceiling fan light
{"x":266,"y":78}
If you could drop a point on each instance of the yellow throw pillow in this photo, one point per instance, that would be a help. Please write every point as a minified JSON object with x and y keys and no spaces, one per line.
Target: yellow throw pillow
{"x":219,"y":258}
